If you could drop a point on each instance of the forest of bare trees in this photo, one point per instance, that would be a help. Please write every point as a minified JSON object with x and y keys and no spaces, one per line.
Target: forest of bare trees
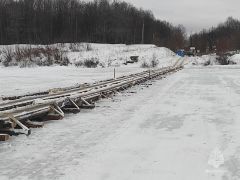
{"x":225,"y":37}
{"x":100,"y":21}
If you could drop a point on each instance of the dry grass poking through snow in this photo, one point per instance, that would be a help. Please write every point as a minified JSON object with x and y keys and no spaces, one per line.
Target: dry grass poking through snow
{"x":152,"y":63}
{"x":28,"y":56}
{"x":83,"y":55}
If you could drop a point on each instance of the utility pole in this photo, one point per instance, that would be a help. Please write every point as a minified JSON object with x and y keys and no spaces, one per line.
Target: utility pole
{"x":76,"y":30}
{"x":143,"y":29}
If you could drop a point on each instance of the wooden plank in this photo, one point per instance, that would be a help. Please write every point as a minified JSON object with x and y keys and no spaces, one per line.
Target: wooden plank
{"x":13,"y":119}
{"x":4,"y":137}
{"x":32,"y":124}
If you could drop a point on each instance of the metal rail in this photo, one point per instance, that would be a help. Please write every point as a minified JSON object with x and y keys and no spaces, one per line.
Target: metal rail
{"x":52,"y":106}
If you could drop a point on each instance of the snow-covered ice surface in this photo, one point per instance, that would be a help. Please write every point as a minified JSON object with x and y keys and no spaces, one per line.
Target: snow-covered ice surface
{"x":19,"y":81}
{"x":183,"y":127}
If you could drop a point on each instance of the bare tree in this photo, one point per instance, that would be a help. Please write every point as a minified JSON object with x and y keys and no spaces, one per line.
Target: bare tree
{"x":103,"y":21}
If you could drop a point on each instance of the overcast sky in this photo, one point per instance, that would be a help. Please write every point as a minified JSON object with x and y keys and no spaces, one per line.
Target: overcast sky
{"x":193,"y":14}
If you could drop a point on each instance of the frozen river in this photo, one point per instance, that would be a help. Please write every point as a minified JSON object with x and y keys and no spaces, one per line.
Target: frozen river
{"x":184,"y":127}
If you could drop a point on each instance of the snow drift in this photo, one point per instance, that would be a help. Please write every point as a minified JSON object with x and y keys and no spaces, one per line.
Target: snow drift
{"x":213,"y":59}
{"x":81,"y":54}
{"x":204,"y":60}
{"x":235,"y":59}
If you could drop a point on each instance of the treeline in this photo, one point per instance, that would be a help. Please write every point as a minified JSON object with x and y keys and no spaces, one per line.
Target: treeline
{"x":100,"y":21}
{"x":225,"y":37}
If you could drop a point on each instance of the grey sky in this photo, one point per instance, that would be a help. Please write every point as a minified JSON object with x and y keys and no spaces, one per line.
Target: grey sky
{"x":193,"y":14}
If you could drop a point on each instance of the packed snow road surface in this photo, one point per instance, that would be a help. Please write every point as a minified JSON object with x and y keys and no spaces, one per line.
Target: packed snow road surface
{"x":183,"y":127}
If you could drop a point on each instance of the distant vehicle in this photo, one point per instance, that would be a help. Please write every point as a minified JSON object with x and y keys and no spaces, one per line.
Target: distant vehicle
{"x":180,"y":52}
{"x":133,"y":59}
{"x":191,"y":51}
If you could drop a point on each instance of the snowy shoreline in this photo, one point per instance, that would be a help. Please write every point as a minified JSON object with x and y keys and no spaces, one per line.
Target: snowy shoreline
{"x":19,"y":81}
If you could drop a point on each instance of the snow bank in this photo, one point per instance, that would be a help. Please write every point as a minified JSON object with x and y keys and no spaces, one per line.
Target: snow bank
{"x":204,"y":60}
{"x":229,"y":58}
{"x":117,"y":55}
{"x":104,"y":55}
{"x":235,"y":59}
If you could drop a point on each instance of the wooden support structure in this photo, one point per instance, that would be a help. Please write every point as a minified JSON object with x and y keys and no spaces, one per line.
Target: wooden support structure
{"x":16,"y":122}
{"x":21,"y":112}
{"x":86,"y":105}
{"x":33,"y":124}
{"x":103,"y":95}
{"x":55,"y":113}
{"x":72,"y":108}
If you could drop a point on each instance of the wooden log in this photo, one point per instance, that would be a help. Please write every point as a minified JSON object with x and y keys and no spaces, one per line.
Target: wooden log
{"x":31,"y":124}
{"x":55,"y":113}
{"x":85,"y":106}
{"x":52,"y":116}
{"x":17,"y":122}
{"x":4,"y":137}
{"x":71,"y":110}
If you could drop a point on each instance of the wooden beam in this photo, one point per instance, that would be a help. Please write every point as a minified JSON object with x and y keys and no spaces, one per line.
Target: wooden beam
{"x":4,"y":137}
{"x":14,"y":120}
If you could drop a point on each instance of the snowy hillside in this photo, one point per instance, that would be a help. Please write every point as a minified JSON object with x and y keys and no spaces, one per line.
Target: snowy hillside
{"x":98,"y":55}
{"x":34,"y":79}
{"x":116,"y":55}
